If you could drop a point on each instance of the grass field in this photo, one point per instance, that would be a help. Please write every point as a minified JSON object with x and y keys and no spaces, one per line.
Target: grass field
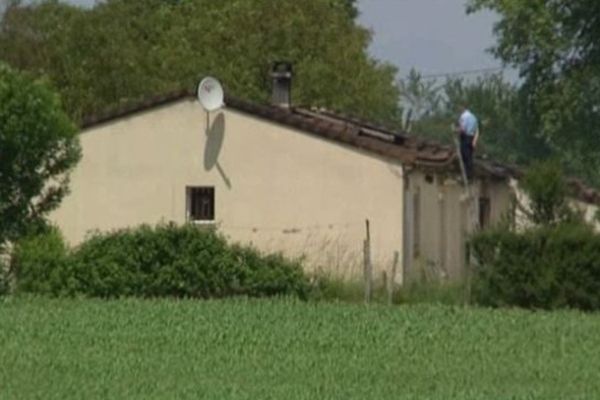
{"x":134,"y":349}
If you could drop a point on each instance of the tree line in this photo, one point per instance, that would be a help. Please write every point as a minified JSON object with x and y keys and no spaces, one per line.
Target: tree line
{"x":123,"y":50}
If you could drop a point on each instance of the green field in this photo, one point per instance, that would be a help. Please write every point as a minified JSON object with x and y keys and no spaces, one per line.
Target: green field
{"x":236,"y":349}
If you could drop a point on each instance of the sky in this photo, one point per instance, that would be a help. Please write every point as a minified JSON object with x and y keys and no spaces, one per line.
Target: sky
{"x":432,"y":36}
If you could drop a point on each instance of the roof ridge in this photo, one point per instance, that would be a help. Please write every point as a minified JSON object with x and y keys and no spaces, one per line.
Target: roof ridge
{"x":133,"y":106}
{"x":407,"y":148}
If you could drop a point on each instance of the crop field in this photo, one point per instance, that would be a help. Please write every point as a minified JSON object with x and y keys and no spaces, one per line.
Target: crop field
{"x":283,"y":349}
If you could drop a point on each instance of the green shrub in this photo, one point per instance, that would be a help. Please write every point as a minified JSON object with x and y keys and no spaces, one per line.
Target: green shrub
{"x":545,"y":267}
{"x":166,"y":260}
{"x":554,"y":263}
{"x":40,"y":263}
{"x":546,"y":187}
{"x":269,"y":275}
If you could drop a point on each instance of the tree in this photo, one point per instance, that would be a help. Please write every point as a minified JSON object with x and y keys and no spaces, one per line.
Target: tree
{"x":422,"y":96}
{"x":123,"y":50}
{"x":554,"y":44}
{"x":351,"y":8}
{"x":504,"y":118}
{"x":38,"y":148}
{"x":499,"y":105}
{"x":547,"y":190}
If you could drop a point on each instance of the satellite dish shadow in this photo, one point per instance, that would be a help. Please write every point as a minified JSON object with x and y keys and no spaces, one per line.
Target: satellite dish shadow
{"x":215,"y":134}
{"x":214,"y":142}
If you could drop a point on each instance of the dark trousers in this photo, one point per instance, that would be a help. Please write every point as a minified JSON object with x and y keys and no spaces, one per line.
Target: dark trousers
{"x":466,"y":153}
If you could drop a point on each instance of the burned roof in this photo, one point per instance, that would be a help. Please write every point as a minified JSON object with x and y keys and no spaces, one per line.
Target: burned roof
{"x":373,"y":138}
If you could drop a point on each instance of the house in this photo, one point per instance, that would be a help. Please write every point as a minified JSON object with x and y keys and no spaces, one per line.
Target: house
{"x":302,"y":181}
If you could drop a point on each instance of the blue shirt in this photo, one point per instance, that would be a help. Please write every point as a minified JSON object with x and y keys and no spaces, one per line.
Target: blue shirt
{"x":468,"y":123}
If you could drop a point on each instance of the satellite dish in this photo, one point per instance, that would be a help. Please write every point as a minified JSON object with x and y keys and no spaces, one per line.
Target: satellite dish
{"x":210,"y":94}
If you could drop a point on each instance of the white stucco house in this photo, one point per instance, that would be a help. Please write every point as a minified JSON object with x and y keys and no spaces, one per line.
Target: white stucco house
{"x":283,"y":178}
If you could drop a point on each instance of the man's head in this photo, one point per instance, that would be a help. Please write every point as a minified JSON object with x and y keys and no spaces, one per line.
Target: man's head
{"x":461,"y":107}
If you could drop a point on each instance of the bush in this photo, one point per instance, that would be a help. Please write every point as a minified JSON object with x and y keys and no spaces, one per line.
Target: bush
{"x":270,"y":274}
{"x":545,"y":267}
{"x":40,"y":263}
{"x":546,"y":187}
{"x":554,"y":263}
{"x":166,"y":260}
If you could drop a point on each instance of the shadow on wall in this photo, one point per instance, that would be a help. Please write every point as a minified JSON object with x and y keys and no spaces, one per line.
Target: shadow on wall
{"x":215,"y":135}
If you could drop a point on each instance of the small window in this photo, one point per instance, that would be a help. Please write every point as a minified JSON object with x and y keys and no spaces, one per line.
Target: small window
{"x":201,"y":204}
{"x":484,"y":212}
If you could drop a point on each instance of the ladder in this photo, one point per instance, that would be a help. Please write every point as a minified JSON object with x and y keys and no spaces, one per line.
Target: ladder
{"x":468,"y":192}
{"x":472,"y":223}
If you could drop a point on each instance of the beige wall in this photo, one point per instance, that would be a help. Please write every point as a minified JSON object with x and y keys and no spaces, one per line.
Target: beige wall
{"x":275,"y":187}
{"x":501,"y":195}
{"x":445,"y":219}
{"x":587,"y":210}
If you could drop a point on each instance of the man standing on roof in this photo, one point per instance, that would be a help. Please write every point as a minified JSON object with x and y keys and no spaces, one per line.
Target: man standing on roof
{"x":468,"y":129}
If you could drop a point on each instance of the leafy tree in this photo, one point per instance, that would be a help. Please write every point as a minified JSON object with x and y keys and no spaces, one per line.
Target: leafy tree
{"x":38,"y":148}
{"x":504,"y":117}
{"x":546,"y":189}
{"x":422,"y":96}
{"x":500,"y":107}
{"x":554,"y":44}
{"x":123,"y":50}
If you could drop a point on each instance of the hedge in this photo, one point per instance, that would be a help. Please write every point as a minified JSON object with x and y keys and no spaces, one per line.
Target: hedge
{"x":545,"y":267}
{"x":166,"y":260}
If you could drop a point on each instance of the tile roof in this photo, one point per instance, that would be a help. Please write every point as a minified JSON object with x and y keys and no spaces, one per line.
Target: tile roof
{"x":345,"y":129}
{"x":365,"y":135}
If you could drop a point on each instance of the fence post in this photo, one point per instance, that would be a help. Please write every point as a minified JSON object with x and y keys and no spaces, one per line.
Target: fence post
{"x":368,"y":267}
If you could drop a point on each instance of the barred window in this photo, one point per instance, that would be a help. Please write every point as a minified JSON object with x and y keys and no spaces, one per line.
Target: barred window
{"x":201,"y":203}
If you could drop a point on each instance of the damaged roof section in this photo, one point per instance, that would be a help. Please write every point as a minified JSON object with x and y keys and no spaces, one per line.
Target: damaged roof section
{"x":408,"y":149}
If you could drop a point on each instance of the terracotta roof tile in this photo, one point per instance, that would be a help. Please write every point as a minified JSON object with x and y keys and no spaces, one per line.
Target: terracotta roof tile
{"x":365,"y":135}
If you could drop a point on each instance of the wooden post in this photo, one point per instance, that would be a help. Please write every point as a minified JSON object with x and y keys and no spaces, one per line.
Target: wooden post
{"x":368,"y":267}
{"x":392,"y":280}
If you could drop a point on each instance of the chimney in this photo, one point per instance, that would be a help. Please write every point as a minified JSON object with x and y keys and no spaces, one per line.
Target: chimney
{"x":282,"y":84}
